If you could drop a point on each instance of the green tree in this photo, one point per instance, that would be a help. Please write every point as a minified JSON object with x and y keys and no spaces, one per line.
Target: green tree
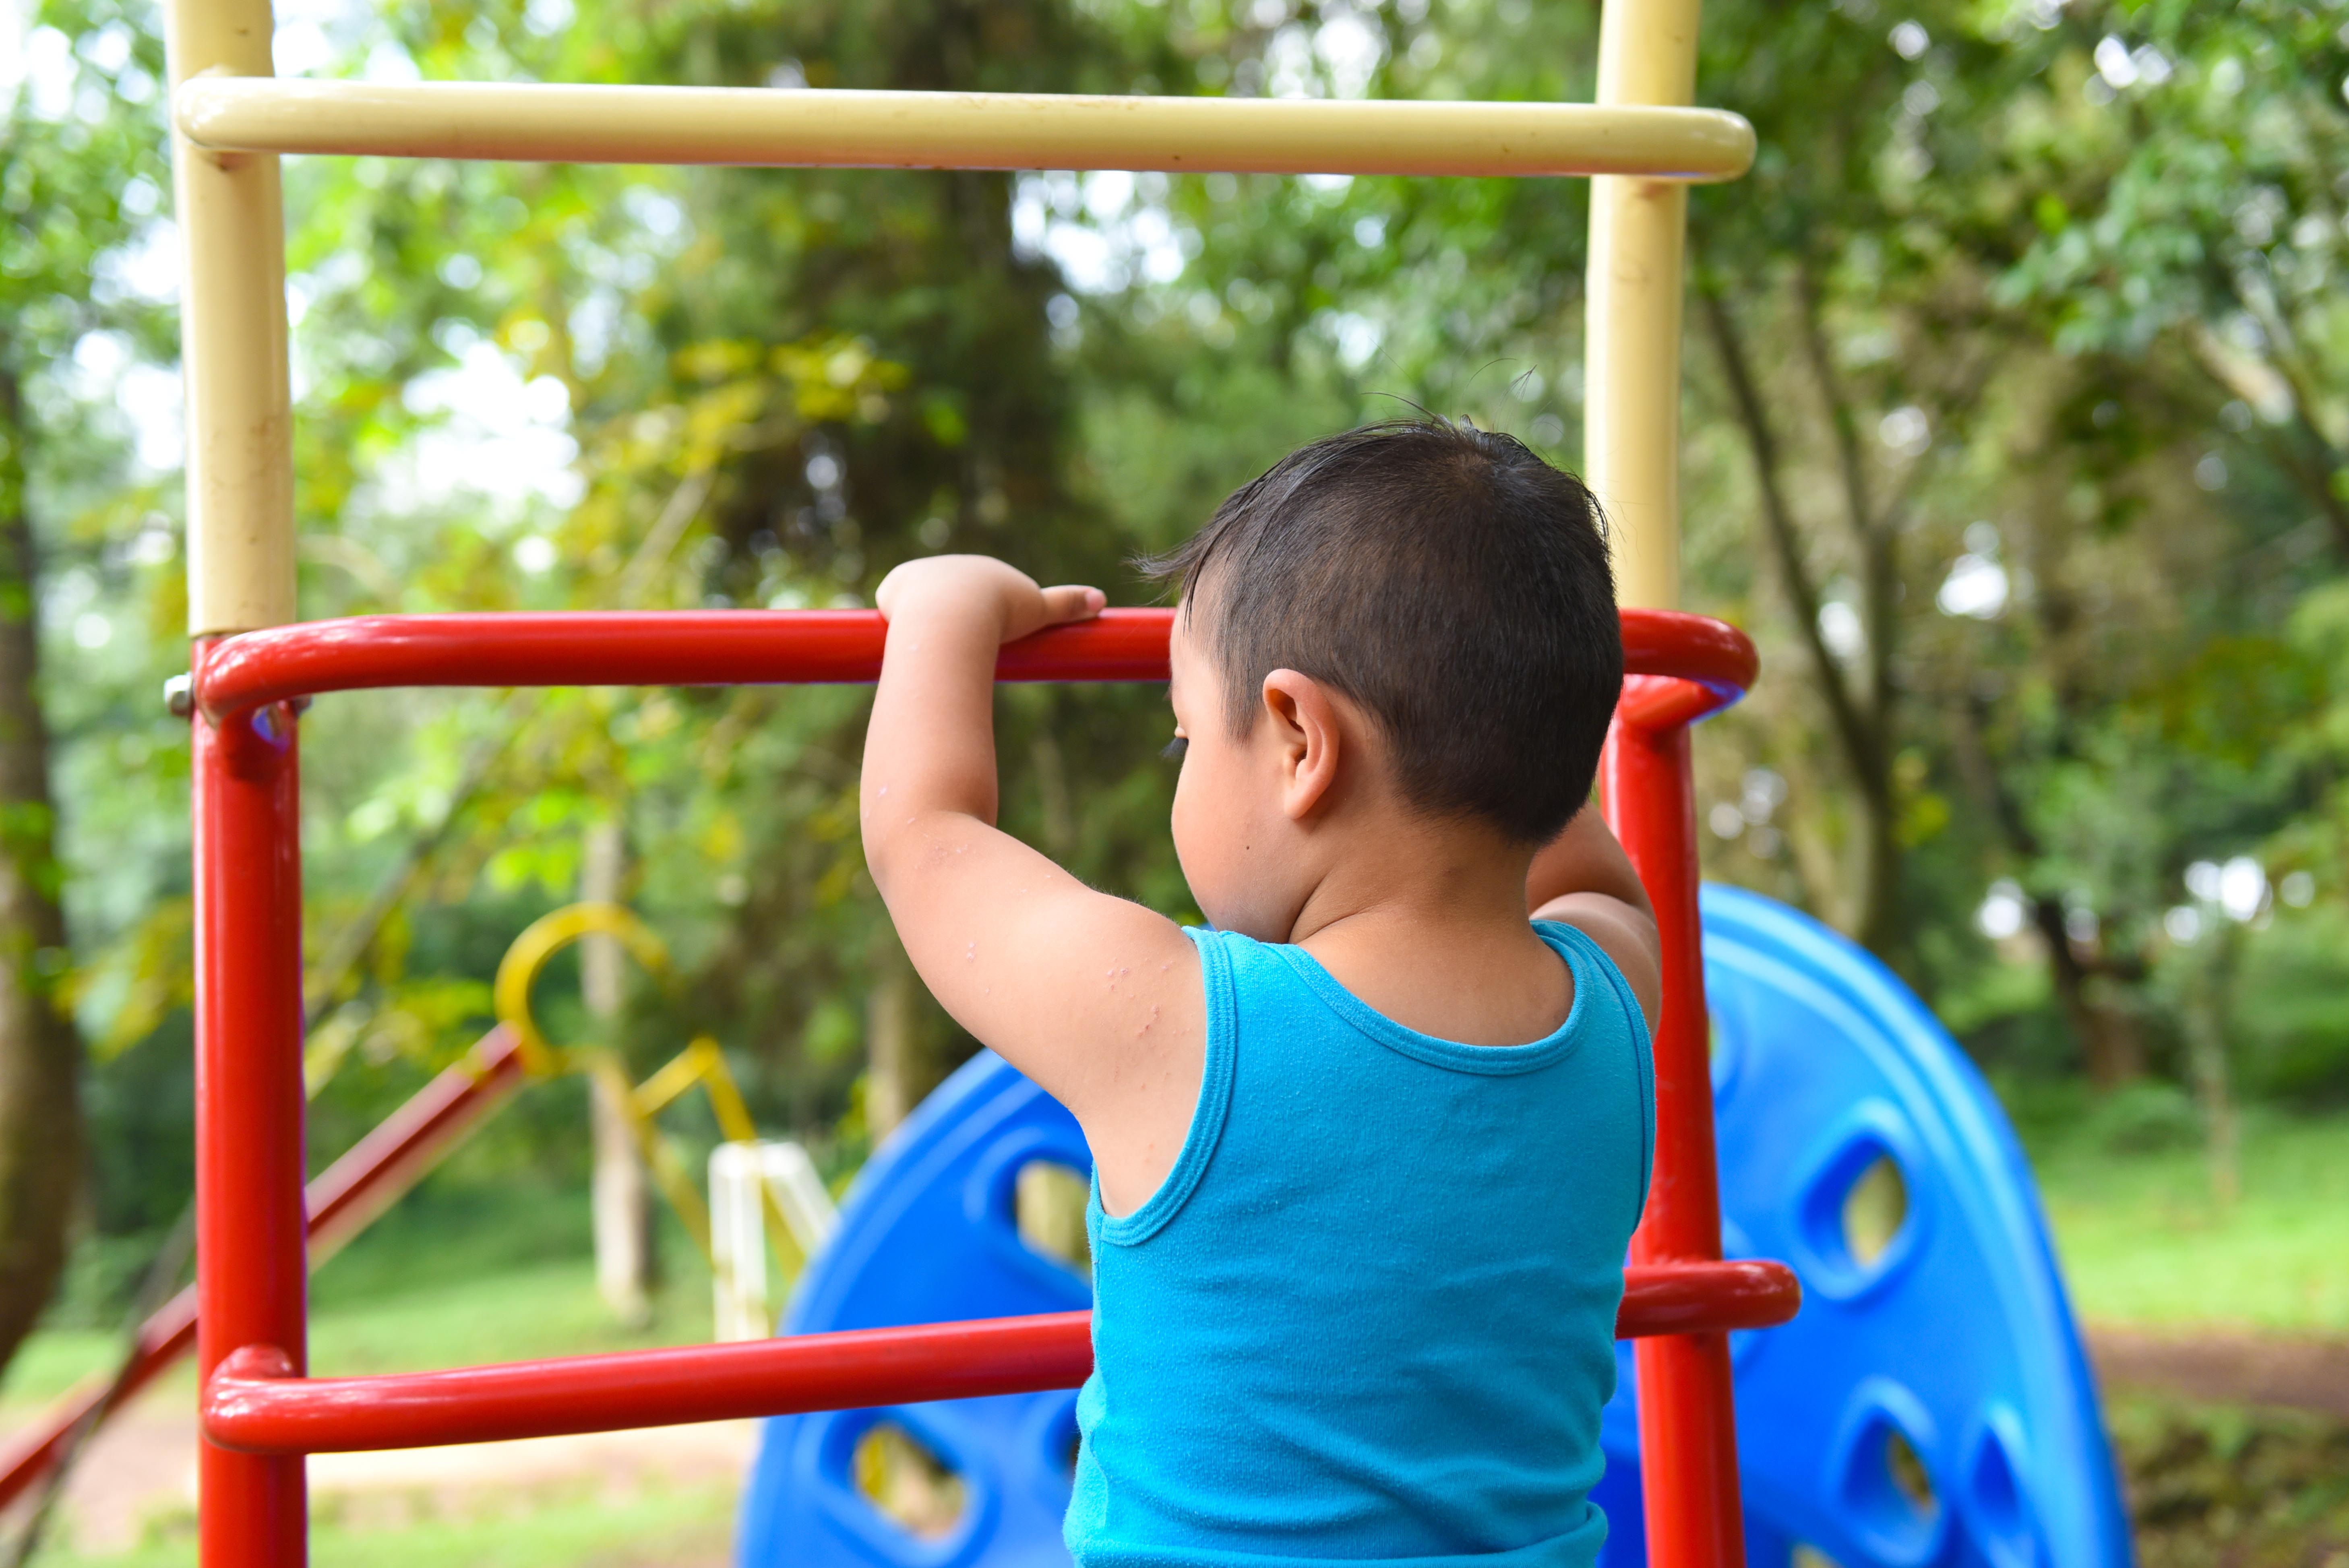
{"x":75,"y":141}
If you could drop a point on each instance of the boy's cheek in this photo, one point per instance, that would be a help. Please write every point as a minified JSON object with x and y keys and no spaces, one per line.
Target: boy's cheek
{"x":1201,"y":833}
{"x":1212,"y":823}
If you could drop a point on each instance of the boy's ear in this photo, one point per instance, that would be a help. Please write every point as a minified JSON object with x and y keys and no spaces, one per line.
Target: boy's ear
{"x":1310,"y":732}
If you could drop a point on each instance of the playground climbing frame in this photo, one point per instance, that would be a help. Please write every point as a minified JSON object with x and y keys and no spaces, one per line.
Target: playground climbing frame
{"x":233,"y":120}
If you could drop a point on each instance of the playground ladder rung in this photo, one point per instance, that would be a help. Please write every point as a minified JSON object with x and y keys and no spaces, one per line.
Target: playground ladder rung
{"x":565,"y":123}
{"x":254,"y":1402}
{"x":727,"y":647}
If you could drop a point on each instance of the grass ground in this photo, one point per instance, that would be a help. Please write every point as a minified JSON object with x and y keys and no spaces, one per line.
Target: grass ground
{"x":2142,"y":1241}
{"x":582,"y":1527}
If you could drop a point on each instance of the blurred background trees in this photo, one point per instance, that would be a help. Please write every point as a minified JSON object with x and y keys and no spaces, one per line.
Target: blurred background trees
{"x":2018,"y":436}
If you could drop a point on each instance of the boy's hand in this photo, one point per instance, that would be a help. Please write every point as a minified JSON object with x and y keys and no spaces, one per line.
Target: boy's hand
{"x":971,"y":583}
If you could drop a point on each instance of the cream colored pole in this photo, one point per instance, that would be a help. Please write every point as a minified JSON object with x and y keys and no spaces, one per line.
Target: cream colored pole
{"x":1632,"y":357}
{"x":1688,"y":1430}
{"x":232,"y":342}
{"x":567,"y":122}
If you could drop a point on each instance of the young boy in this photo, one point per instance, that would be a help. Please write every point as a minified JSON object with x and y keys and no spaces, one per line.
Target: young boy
{"x":1368,"y":1149}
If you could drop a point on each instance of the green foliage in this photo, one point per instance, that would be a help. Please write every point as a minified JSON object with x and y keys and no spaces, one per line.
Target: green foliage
{"x":2143,"y":1119}
{"x":2219,"y":1484}
{"x":2042,"y":311}
{"x":2291,"y":1010}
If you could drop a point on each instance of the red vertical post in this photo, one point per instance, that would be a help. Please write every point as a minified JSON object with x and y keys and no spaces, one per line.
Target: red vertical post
{"x":251,"y":1512}
{"x":1688,"y":1433}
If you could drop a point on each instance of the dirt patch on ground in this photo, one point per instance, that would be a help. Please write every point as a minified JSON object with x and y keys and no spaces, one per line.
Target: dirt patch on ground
{"x":2225,"y":1367}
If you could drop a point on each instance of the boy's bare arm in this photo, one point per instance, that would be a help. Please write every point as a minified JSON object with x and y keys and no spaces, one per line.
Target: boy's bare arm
{"x":1584,"y":879}
{"x":1094,"y":998}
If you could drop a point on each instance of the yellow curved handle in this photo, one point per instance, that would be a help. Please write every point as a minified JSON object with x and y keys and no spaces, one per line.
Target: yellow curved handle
{"x":541,"y":939}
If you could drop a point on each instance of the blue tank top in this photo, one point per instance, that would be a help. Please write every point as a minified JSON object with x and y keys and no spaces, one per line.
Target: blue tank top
{"x":1370,"y":1314}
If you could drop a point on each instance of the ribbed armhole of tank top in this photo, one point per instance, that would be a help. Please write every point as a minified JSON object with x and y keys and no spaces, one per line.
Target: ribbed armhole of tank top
{"x":1207,"y":1118}
{"x":1635,"y":1032}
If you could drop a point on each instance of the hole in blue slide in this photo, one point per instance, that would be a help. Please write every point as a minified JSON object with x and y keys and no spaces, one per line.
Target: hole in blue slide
{"x":1882,"y":1481}
{"x":1873,"y":1209}
{"x":907,"y":1483}
{"x":1047,"y":1205}
{"x":1856,"y":1215}
{"x":1998,"y":1507}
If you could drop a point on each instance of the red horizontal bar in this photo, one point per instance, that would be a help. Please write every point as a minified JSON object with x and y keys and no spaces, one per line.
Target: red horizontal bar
{"x":733,"y":648}
{"x":251,"y":1404}
{"x":1699,"y":649}
{"x":1710,"y":1297}
{"x":650,"y":647}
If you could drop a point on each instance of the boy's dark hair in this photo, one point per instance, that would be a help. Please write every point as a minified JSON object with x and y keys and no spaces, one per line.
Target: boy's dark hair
{"x":1445,"y":579}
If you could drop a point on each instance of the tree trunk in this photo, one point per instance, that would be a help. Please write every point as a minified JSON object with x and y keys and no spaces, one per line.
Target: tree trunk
{"x":620,"y":1195}
{"x":40,"y":1050}
{"x":2208,"y":992}
{"x":1860,"y":723}
{"x":2110,"y":1049}
{"x":890,"y":1069}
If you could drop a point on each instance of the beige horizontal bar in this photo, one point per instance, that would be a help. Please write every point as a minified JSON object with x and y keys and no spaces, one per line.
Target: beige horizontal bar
{"x":530,"y":122}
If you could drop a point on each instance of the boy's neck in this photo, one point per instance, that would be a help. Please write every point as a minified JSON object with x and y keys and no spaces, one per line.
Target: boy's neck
{"x":1426,"y":923}
{"x":1427,"y":878}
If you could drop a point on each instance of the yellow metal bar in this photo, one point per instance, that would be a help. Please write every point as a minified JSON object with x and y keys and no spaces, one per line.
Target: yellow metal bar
{"x":232,"y":342}
{"x":541,"y":939}
{"x":660,"y":1156}
{"x":1631,"y":380}
{"x":545,"y":122}
{"x":725,"y":1099}
{"x":653,"y":1096}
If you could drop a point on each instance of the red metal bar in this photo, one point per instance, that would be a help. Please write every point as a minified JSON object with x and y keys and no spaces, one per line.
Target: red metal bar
{"x":375,"y":1171}
{"x":1666,"y":702}
{"x":1711,"y":1297}
{"x":342,"y":1201}
{"x":163,"y":1338}
{"x":255,"y":1403}
{"x":659,"y":648}
{"x":250,"y":1273}
{"x":718,"y":647}
{"x":1688,"y":1432}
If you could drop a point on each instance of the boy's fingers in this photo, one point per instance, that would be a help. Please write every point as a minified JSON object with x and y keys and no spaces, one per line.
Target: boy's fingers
{"x":1072,"y":603}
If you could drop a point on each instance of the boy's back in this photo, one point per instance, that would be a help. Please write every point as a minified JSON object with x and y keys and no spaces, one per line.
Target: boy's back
{"x":1368,"y":1153}
{"x":1370,"y":1314}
